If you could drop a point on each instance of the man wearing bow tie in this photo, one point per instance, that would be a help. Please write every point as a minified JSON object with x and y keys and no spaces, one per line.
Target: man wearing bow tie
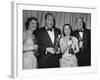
{"x":47,"y":38}
{"x":84,"y":37}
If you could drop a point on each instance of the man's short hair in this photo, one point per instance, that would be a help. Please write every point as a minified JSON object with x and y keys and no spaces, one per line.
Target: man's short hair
{"x":48,"y":14}
{"x":53,"y":18}
{"x":84,"y":24}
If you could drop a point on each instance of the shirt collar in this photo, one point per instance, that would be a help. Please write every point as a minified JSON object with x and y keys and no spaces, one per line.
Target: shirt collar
{"x":47,"y":28}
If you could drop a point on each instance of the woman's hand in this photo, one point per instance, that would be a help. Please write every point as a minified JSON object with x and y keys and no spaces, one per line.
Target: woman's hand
{"x":35,"y":47}
{"x":70,"y":42}
{"x":58,"y":51}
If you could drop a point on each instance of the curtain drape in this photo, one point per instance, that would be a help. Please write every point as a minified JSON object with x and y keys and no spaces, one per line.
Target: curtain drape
{"x":61,"y":18}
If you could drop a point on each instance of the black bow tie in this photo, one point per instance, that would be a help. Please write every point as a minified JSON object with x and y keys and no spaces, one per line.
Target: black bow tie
{"x":81,"y":31}
{"x":49,"y":29}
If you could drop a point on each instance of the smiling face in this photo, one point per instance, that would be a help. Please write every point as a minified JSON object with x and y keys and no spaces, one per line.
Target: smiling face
{"x":49,"y":21}
{"x":67,"y":30}
{"x":33,"y":25}
{"x":80,"y":24}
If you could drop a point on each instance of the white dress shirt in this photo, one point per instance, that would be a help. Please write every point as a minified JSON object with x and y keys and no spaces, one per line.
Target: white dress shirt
{"x":81,"y":34}
{"x":51,"y":34}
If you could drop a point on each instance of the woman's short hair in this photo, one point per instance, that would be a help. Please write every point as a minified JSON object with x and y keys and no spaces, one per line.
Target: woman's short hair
{"x":29,"y":19}
{"x":69,"y":27}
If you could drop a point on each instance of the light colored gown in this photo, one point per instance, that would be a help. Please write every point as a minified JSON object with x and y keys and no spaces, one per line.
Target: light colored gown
{"x":29,"y":59}
{"x":68,"y":60}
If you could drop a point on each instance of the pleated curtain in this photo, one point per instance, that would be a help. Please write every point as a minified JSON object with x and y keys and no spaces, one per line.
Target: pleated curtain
{"x":61,"y":18}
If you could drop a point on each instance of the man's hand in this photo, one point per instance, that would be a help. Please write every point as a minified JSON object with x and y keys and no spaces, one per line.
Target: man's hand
{"x":81,"y":44}
{"x":50,"y":50}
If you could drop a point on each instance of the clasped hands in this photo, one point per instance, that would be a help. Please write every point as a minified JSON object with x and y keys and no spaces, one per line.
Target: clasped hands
{"x":70,"y":42}
{"x":52,"y":50}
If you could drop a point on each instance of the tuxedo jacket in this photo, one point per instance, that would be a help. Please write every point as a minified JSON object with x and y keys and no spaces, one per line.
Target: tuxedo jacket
{"x":86,"y":39}
{"x":84,"y":56}
{"x":43,"y":39}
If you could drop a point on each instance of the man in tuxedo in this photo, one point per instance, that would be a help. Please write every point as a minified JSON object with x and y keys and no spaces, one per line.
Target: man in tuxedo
{"x":84,"y":37}
{"x":47,"y":40}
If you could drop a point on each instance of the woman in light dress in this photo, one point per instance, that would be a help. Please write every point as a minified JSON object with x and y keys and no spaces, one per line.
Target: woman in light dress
{"x":69,"y":47}
{"x":30,"y":46}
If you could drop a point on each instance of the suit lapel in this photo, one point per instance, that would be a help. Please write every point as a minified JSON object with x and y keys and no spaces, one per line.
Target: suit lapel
{"x":84,"y":36}
{"x":55,"y":39}
{"x":47,"y":36}
{"x":78,"y":35}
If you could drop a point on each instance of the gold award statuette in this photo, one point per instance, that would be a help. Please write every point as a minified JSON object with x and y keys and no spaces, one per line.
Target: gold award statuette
{"x":57,"y":44}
